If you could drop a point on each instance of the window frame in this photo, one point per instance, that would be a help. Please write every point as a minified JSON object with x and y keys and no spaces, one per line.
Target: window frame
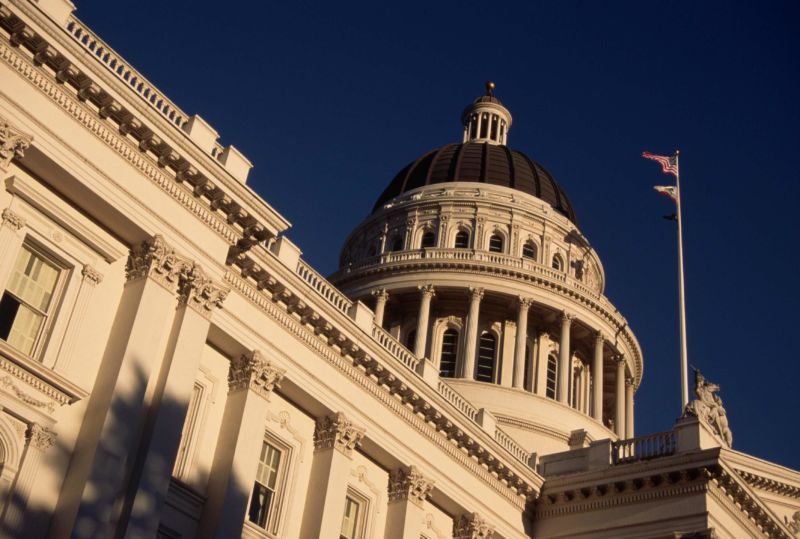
{"x":362,"y":519}
{"x":65,"y":271}
{"x":496,"y":339}
{"x":501,"y":239}
{"x":275,"y":514}
{"x":466,"y":233}
{"x":532,"y":246}
{"x":457,"y":332}
{"x":557,"y":263}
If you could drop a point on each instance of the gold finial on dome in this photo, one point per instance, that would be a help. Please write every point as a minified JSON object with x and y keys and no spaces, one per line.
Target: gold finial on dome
{"x":490,"y":88}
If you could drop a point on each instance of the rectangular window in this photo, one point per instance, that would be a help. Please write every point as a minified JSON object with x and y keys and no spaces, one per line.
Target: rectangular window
{"x":28,"y":300}
{"x":350,"y":522}
{"x":263,"y":496}
{"x":188,"y":435}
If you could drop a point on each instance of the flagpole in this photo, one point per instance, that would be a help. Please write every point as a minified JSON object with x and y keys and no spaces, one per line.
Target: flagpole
{"x":681,"y":293}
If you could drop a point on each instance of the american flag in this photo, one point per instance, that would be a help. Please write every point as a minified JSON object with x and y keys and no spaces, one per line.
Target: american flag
{"x":668,"y":164}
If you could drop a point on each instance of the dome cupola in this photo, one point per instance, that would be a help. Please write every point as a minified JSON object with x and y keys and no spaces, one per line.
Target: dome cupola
{"x":486,"y":119}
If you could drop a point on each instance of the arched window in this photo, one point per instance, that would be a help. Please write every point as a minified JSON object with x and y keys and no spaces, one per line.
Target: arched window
{"x":558,"y":263}
{"x":486,"y":357}
{"x":397,"y":244}
{"x":552,"y":376}
{"x":529,"y":250}
{"x":428,"y":239}
{"x":411,"y":339}
{"x":462,"y":240}
{"x":447,"y":359}
{"x":496,"y":243}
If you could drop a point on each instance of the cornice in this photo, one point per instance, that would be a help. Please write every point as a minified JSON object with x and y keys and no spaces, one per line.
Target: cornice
{"x":770,"y":485}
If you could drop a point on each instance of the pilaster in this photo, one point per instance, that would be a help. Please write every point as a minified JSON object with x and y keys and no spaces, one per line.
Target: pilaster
{"x":251,"y":380}
{"x":408,"y":490}
{"x":12,"y":236}
{"x":471,"y":526}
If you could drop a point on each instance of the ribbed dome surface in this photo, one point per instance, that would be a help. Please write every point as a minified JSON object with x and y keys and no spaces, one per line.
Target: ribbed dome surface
{"x":480,"y":162}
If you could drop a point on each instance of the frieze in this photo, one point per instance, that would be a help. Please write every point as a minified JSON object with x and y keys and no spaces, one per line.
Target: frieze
{"x":8,"y":383}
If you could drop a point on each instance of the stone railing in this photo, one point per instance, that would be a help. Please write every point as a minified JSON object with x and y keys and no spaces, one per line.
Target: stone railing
{"x":511,"y":446}
{"x":394,"y":347}
{"x":455,"y":398}
{"x":123,"y":70}
{"x":321,"y":285}
{"x":652,"y":446}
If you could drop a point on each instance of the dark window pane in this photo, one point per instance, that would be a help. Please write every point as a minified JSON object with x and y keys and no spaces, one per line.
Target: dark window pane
{"x":529,"y":251}
{"x":462,"y":240}
{"x":447,"y":361}
{"x":259,"y":505}
{"x":496,"y":244}
{"x":486,"y":352}
{"x":428,"y":239}
{"x":9,"y":306}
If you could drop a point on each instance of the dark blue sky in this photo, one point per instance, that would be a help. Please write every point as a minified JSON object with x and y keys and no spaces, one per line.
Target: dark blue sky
{"x":329,"y":101}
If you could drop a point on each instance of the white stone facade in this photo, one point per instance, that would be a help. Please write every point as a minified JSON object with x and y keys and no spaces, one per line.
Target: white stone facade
{"x":171,"y":367}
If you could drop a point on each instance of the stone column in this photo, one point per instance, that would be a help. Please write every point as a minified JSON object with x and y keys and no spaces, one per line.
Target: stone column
{"x":507,"y":351}
{"x":11,"y":239}
{"x":564,"y":362}
{"x":335,"y":438}
{"x":17,"y":522}
{"x":619,"y":416}
{"x":426,"y":294}
{"x":124,"y":388}
{"x":522,"y":339}
{"x":471,"y":526}
{"x":198,"y":298}
{"x":408,"y":489}
{"x":629,"y":408}
{"x":251,"y":380}
{"x":471,"y":341}
{"x":381,"y":297}
{"x":542,"y":354}
{"x":597,"y":377}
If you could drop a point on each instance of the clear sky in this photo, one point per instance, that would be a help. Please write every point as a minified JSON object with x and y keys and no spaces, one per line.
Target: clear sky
{"x":329,"y":101}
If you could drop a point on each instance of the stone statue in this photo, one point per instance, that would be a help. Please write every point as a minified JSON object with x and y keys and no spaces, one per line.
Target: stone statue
{"x":708,"y":407}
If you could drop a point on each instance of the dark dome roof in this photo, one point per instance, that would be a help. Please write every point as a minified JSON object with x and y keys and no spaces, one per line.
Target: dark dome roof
{"x":480,"y":162}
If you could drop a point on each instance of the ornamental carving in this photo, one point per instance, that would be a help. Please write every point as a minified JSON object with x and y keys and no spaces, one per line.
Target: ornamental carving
{"x":199,"y":292}
{"x":708,"y":408}
{"x":91,"y":275}
{"x":381,"y":294}
{"x":337,"y":432}
{"x":13,"y":143}
{"x":427,"y":291}
{"x":471,"y":526}
{"x":13,"y":219}
{"x":409,"y":484}
{"x":794,"y":524}
{"x":40,"y":437}
{"x":253,"y":372}
{"x":476,"y":294}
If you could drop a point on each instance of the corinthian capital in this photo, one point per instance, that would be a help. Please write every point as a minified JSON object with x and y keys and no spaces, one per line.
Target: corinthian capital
{"x":381,"y":294}
{"x":427,"y":290}
{"x":200,"y":292}
{"x":525,"y":303}
{"x":91,"y":275}
{"x":40,"y":437}
{"x":338,"y":432}
{"x":471,"y":526}
{"x":13,"y":143}
{"x":475,"y":293}
{"x":155,"y":258}
{"x":409,"y":484}
{"x":253,"y":372}
{"x":13,"y":219}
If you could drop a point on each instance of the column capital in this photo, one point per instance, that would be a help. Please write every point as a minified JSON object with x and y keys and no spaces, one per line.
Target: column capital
{"x":471,"y":526}
{"x":13,"y":143}
{"x":13,"y":219}
{"x":599,"y":338}
{"x":427,"y":290}
{"x":253,"y":372}
{"x":629,"y":383}
{"x":157,"y":259}
{"x":199,"y":292}
{"x":619,"y":359}
{"x":409,"y":484}
{"x":475,"y":293}
{"x":338,"y":432}
{"x":40,"y":437}
{"x":91,"y":275}
{"x":381,"y":294}
{"x":525,"y":303}
{"x":567,"y":318}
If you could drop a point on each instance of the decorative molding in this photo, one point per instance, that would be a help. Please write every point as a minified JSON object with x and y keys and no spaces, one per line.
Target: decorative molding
{"x":13,"y":219}
{"x":13,"y":143}
{"x":40,"y":437}
{"x":431,"y":525}
{"x":8,"y":383}
{"x":285,"y":421}
{"x":409,"y":484}
{"x":200,"y":293}
{"x":770,"y":485}
{"x":338,"y":432}
{"x":252,"y":372}
{"x":471,"y":526}
{"x":91,"y":275}
{"x":361,"y":474}
{"x":40,"y":378}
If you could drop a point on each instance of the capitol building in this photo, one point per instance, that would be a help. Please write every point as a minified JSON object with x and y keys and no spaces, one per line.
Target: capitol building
{"x":173,"y":368}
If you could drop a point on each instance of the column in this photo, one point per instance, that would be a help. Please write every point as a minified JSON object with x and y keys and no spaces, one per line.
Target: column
{"x":597,"y":378}
{"x":522,"y":339}
{"x":124,"y":386}
{"x":542,"y":353}
{"x":335,"y":438}
{"x":408,"y":489}
{"x":629,"y":408}
{"x":427,"y":294}
{"x":15,"y":521}
{"x":471,"y":526}
{"x":507,"y":351}
{"x":471,"y":341}
{"x":381,"y":297}
{"x":150,"y":478}
{"x":619,"y":416}
{"x":11,"y":239}
{"x":564,"y":362}
{"x":251,"y":380}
